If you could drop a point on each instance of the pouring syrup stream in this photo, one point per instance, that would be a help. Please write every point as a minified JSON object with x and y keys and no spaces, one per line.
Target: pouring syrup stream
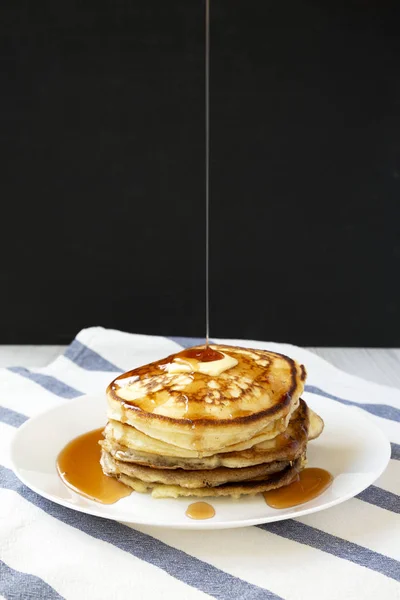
{"x":207,"y":161}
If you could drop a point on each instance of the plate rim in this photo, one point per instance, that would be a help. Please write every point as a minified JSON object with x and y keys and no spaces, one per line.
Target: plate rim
{"x":191,"y":524}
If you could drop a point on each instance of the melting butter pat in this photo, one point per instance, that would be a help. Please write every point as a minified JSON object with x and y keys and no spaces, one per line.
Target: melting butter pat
{"x":191,"y":365}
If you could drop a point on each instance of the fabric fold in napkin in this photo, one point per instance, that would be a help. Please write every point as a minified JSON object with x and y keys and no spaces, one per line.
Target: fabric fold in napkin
{"x":47,"y":551}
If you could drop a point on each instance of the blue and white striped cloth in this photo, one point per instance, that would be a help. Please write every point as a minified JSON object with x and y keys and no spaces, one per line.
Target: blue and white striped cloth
{"x":351,"y":551}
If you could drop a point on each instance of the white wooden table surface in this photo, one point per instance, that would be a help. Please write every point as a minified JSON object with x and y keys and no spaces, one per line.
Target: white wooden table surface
{"x":381,"y":365}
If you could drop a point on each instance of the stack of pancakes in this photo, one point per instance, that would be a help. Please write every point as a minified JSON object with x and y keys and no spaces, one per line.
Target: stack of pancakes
{"x":222,"y":421}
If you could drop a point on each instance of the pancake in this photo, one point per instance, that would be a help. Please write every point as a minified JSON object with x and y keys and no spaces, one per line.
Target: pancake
{"x":235,"y":489}
{"x":136,"y":440}
{"x":316,"y":425}
{"x":196,"y":407}
{"x":192,"y":479}
{"x":287,"y":446}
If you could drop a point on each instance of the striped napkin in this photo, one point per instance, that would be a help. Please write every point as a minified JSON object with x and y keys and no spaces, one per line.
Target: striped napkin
{"x":351,"y":551}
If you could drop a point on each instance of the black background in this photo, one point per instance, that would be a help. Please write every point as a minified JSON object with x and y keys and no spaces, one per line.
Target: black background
{"x":102,"y":179}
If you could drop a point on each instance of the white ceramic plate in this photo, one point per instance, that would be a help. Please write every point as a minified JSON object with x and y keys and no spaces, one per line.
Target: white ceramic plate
{"x":351,"y":447}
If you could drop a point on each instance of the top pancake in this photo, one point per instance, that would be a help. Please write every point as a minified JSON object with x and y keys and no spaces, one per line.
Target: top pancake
{"x":207,"y":412}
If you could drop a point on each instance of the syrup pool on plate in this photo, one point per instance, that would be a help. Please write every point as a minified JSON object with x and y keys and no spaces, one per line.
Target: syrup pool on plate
{"x":200,"y":510}
{"x":78,"y":465}
{"x":311,"y":483}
